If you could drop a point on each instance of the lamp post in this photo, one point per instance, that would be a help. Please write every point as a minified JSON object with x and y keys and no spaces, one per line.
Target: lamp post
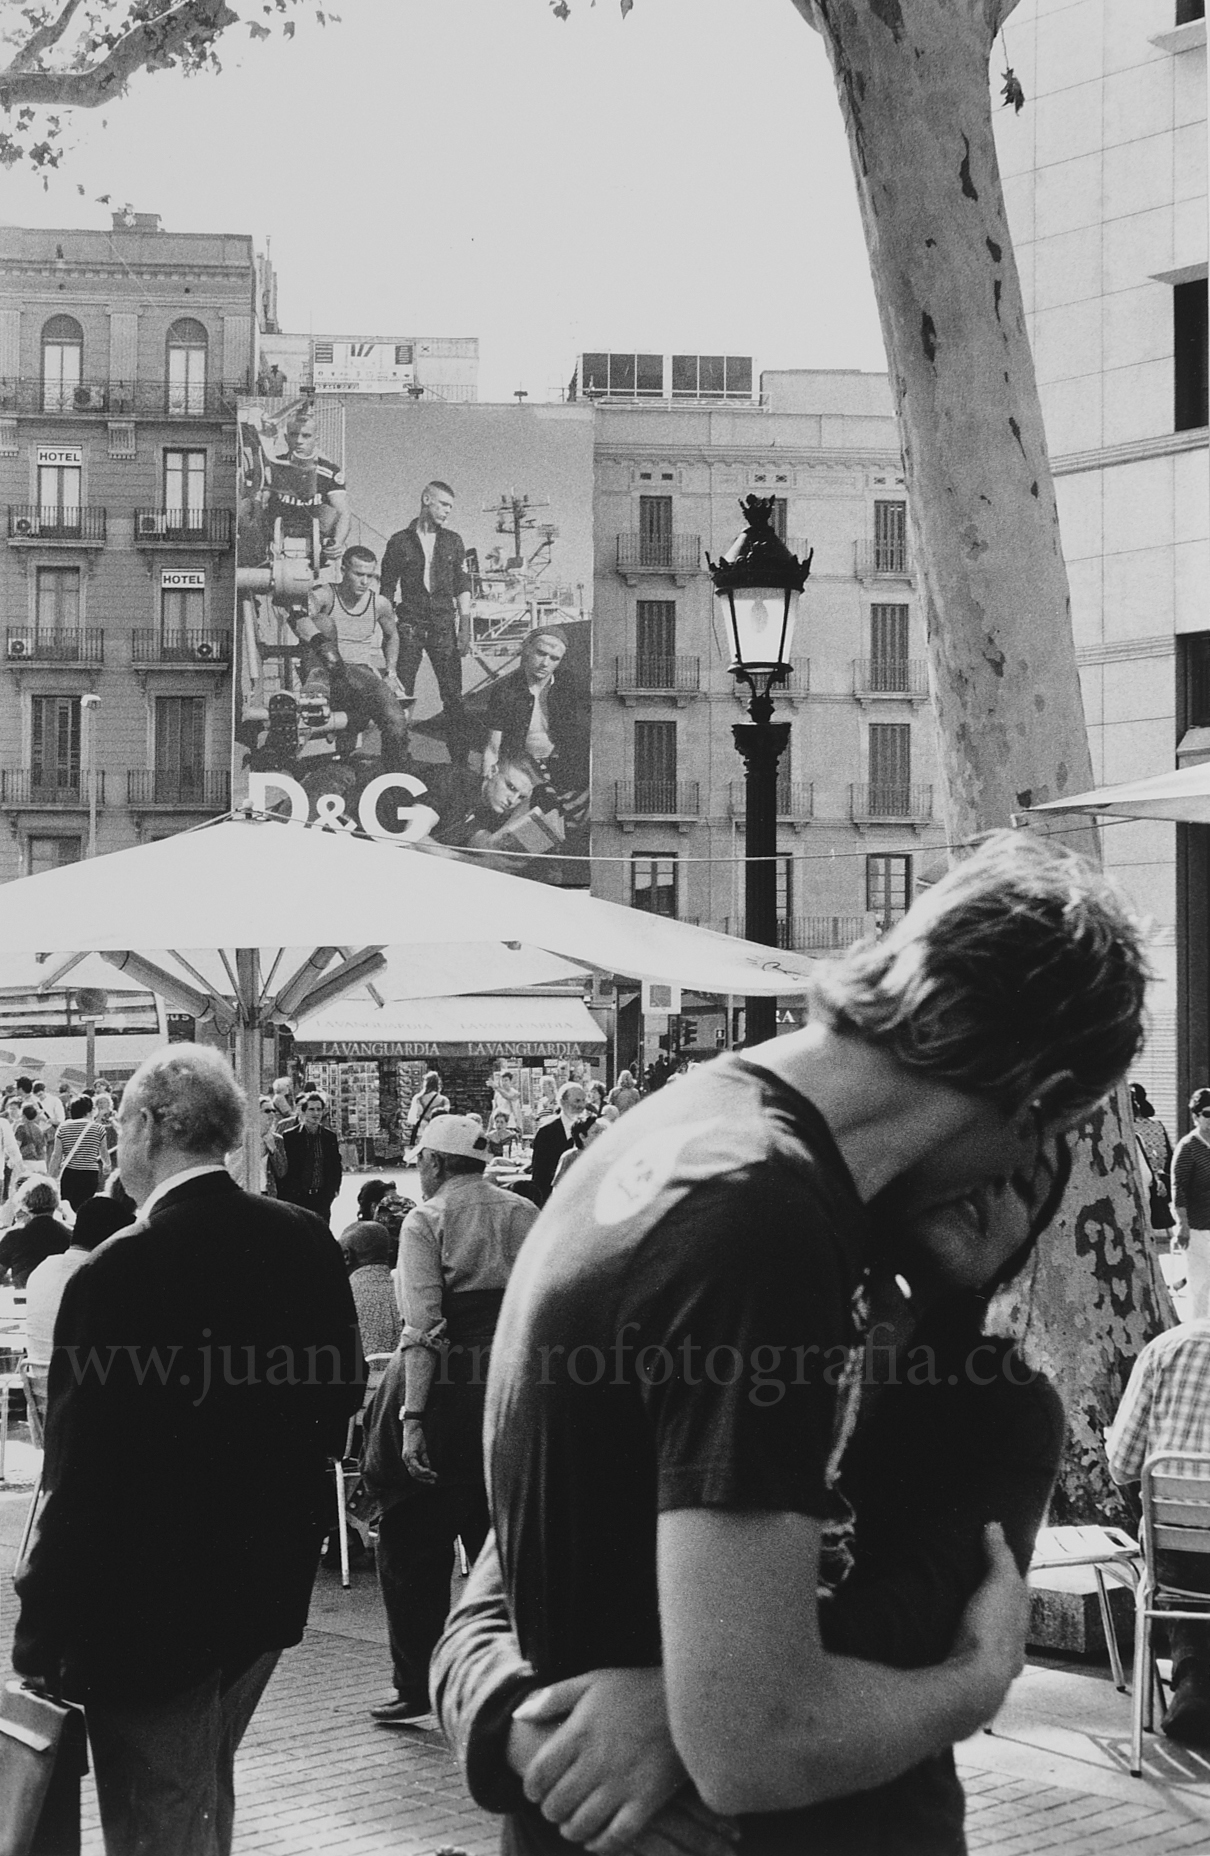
{"x":90,"y":705}
{"x":758,"y":583}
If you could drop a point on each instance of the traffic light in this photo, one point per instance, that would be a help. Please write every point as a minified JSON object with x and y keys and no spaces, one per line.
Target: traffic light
{"x":688,"y":1032}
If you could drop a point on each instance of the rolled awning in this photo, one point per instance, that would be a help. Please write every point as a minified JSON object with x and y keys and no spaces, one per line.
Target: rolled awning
{"x":500,"y":1026}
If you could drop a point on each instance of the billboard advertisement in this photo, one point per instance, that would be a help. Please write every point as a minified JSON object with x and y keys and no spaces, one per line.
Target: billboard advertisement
{"x":414,"y":604}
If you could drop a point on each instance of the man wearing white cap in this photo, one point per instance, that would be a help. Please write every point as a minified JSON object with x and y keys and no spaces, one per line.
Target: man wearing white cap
{"x":423,"y":1458}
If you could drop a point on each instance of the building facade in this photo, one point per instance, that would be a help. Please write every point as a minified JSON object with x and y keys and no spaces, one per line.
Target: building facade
{"x":860,"y":816}
{"x":1105,"y":182}
{"x":121,"y":357}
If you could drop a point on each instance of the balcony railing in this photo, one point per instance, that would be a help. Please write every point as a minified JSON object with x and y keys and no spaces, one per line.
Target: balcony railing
{"x":891,"y":676}
{"x":640,"y":670}
{"x":202,"y":648}
{"x":199,"y":791}
{"x":795,"y":799}
{"x":891,"y":801}
{"x":120,"y":399}
{"x":826,"y":933}
{"x":892,"y":558}
{"x":797,"y":682}
{"x":32,"y":522}
{"x":657,"y":799}
{"x":48,"y":786}
{"x":808,"y":934}
{"x":214,"y":527}
{"x":24,"y":644}
{"x":659,"y":554}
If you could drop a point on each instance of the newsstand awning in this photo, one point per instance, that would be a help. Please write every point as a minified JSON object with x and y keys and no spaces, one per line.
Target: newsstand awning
{"x":356,"y":1029}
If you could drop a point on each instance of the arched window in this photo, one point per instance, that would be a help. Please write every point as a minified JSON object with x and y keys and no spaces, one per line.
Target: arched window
{"x":187,"y":345}
{"x":62,"y":363}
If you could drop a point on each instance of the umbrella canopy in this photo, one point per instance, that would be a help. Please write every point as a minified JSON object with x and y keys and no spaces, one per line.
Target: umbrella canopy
{"x":1182,"y":795}
{"x":266,"y":884}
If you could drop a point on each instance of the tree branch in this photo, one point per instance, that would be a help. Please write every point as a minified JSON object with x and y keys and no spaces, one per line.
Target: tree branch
{"x":44,"y":38}
{"x":154,"y":43}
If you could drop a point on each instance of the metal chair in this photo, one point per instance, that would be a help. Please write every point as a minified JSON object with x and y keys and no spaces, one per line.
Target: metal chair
{"x":33,"y":1382}
{"x":348,"y":1467}
{"x":1176,"y":1519}
{"x":1106,"y":1550}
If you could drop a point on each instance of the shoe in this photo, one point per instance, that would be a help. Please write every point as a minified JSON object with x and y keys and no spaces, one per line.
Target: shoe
{"x":401,"y":1713}
{"x":1187,"y":1719}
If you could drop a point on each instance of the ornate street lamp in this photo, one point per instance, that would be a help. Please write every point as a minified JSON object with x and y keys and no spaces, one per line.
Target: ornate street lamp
{"x":758,"y":583}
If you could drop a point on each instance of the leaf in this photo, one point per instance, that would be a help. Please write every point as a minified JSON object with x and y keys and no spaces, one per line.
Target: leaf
{"x":626,"y":6}
{"x":258,"y":32}
{"x":103,"y":199}
{"x":1012,"y":92}
{"x":288,"y":28}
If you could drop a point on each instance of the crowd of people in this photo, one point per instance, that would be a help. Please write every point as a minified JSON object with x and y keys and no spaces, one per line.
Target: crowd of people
{"x":696,"y":1396}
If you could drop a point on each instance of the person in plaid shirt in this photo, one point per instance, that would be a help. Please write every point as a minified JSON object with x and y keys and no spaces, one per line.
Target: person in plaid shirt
{"x":1166,"y":1406}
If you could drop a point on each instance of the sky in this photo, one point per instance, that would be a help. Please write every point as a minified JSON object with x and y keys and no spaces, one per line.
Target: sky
{"x":675,"y":180}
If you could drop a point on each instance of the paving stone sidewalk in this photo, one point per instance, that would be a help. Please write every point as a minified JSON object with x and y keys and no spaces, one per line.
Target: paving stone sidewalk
{"x":315,"y":1774}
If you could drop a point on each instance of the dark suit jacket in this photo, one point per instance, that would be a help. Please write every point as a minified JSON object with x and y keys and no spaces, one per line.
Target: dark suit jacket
{"x":295,"y":1188}
{"x":550,"y":1144}
{"x":205,"y":1367}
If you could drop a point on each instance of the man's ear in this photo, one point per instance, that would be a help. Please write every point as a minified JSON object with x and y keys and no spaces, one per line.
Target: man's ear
{"x":1045,"y":1104}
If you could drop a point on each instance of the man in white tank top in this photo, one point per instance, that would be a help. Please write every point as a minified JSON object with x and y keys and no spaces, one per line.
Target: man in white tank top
{"x":354,"y":651}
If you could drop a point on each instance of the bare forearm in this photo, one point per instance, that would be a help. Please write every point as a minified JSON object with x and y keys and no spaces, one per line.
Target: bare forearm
{"x":868,"y":1726}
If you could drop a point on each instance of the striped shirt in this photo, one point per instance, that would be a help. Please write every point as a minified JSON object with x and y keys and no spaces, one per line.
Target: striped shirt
{"x":1191,"y":1180}
{"x":1166,"y":1405}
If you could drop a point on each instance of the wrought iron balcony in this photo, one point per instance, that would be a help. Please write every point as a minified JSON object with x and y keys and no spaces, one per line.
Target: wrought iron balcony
{"x":808,"y":934}
{"x":891,"y":676}
{"x":35,"y":522}
{"x":882,"y":559}
{"x":120,"y":399}
{"x":214,"y":528}
{"x":201,"y":649}
{"x":678,"y":555}
{"x":828,"y":933}
{"x":891,"y":802}
{"x":25,"y":644}
{"x":795,"y":799}
{"x":796,"y":683}
{"x":190,"y":790}
{"x":643,"y":673}
{"x":666,"y":799}
{"x":36,"y":787}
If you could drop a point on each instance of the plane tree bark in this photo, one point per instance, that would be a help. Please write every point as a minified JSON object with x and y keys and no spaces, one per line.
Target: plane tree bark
{"x":913,"y":81}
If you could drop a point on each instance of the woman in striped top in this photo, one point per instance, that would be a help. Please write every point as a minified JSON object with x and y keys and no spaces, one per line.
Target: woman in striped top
{"x":79,"y":1159}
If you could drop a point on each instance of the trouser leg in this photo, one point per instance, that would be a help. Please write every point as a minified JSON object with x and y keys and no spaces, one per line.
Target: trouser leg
{"x":238,"y":1699}
{"x":1197,"y":1260}
{"x":156,"y":1768}
{"x":442,"y":644}
{"x":411,"y":650}
{"x":415,"y":1562}
{"x":1189,"y":1640}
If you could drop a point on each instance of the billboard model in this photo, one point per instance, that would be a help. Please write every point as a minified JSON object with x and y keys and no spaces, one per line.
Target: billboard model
{"x":414,"y":588}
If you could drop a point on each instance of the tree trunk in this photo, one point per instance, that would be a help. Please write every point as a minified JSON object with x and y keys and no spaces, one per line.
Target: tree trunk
{"x":913,"y":82}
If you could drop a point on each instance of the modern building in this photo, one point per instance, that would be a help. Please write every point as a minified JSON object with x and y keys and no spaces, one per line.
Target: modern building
{"x":860,"y":818}
{"x":1105,"y":178}
{"x":122,"y":353}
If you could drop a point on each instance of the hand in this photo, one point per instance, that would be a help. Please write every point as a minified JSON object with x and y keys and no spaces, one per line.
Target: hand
{"x":415,"y":1452}
{"x":992,"y":1632}
{"x":610,"y":1764}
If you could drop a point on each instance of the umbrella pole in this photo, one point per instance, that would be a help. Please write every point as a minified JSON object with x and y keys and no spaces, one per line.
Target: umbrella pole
{"x":249,"y":1041}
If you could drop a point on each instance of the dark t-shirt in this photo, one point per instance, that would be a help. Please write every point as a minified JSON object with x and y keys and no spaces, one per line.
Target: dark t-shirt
{"x":681,"y":1330}
{"x":26,"y":1245}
